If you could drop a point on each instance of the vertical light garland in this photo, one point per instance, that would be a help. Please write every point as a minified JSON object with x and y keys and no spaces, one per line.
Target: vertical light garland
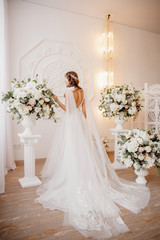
{"x":107,"y":36}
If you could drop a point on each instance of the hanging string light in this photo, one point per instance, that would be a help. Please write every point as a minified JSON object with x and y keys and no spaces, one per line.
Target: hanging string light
{"x":107,"y":41}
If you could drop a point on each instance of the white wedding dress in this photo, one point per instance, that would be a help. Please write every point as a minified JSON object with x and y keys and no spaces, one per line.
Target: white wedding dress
{"x":79,"y":179}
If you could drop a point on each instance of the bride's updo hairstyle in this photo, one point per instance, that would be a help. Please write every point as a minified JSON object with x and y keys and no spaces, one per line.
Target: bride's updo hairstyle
{"x":73,"y":79}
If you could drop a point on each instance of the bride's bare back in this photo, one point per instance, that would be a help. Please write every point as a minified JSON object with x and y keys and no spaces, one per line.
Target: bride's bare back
{"x":78,"y":95}
{"x":79,"y":98}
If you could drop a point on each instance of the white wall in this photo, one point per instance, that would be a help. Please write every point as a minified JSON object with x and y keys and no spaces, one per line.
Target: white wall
{"x":136,"y":55}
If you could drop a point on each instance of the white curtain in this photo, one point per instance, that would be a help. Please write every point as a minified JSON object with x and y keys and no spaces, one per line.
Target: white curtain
{"x":6,"y":140}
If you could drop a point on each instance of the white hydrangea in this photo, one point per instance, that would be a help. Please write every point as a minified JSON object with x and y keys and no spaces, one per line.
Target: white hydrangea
{"x":132,"y":110}
{"x":113,"y":107}
{"x":132,"y":146}
{"x":119,"y":97}
{"x":150,"y":161}
{"x":19,"y":92}
{"x":143,"y":135}
{"x":37,"y":94}
{"x":30,"y":86}
{"x":139,"y":140}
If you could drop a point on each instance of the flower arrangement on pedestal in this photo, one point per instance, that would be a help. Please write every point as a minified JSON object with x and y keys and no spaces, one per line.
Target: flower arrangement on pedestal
{"x":139,"y":149}
{"x":120,"y":102}
{"x":30,"y":97}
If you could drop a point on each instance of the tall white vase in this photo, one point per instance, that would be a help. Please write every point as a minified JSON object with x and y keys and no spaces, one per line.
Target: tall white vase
{"x":141,"y":176}
{"x":28,"y":122}
{"x":119,"y":120}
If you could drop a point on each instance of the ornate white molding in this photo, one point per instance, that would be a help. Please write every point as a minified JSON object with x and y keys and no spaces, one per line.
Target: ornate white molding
{"x":152,"y":107}
{"x":51,"y":60}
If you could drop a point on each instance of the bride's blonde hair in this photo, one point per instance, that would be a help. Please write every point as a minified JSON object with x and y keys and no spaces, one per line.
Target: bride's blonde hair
{"x":73,"y":79}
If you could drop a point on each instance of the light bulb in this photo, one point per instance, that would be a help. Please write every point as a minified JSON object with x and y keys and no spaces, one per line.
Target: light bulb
{"x":109,"y":34}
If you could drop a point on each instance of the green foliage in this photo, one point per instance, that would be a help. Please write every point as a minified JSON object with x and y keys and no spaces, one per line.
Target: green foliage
{"x":140,"y":149}
{"x":25,"y":98}
{"x":118,"y":99}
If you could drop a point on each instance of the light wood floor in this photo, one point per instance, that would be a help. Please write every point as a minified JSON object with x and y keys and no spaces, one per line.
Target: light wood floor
{"x":22,"y":219}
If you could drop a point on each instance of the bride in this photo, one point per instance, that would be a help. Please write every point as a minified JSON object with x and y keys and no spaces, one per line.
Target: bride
{"x":78,"y":177}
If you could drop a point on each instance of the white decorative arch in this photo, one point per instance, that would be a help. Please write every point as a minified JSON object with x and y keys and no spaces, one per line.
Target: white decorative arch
{"x":152,"y":107}
{"x":51,"y":60}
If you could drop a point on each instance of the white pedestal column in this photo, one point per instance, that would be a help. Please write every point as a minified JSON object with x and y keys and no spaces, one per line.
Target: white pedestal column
{"x":29,"y":178}
{"x":116,"y":133}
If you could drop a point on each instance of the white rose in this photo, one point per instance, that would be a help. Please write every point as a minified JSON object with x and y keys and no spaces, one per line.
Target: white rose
{"x":47,"y":99}
{"x":141,"y":156}
{"x":37,"y":109}
{"x":125,"y":101}
{"x":133,"y":104}
{"x":148,"y":149}
{"x":132,"y":111}
{"x":141,"y":149}
{"x":41,"y":101}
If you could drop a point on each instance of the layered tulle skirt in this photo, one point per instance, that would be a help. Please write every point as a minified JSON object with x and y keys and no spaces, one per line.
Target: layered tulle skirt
{"x":77,"y":181}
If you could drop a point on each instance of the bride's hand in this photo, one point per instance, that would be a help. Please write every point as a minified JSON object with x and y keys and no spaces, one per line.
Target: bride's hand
{"x":55,"y":97}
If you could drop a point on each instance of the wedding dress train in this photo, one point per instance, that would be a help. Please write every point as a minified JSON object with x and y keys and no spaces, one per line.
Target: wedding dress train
{"x":79,"y":179}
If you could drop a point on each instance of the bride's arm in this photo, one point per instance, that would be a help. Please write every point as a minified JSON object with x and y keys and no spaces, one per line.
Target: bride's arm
{"x":59,"y":103}
{"x":84,"y":109}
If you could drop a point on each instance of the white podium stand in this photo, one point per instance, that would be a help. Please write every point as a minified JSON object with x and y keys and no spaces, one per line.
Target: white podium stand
{"x":116,"y":133}
{"x":29,"y":178}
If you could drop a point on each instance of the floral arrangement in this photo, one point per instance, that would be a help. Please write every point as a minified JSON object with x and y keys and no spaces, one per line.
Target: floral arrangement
{"x":139,"y":149}
{"x":120,"y":99}
{"x":30,"y":97}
